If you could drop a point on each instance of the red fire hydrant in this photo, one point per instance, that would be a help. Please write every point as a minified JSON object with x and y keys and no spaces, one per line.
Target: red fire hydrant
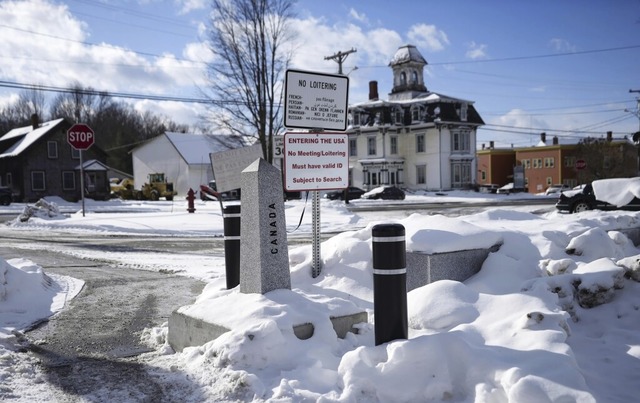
{"x":191,"y":196}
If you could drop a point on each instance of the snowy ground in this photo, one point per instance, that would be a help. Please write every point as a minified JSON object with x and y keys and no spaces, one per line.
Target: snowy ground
{"x":536,"y":324}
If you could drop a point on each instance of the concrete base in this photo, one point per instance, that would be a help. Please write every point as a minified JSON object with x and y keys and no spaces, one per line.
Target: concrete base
{"x":423,"y":269}
{"x":187,"y":331}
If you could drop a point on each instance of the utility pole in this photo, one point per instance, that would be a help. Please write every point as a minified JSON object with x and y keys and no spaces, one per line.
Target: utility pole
{"x":339,"y":58}
{"x":637,"y":107}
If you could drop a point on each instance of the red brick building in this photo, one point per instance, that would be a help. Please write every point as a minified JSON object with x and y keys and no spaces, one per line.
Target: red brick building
{"x":549,"y":163}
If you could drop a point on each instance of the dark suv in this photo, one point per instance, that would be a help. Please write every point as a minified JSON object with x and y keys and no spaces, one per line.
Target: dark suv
{"x":5,"y":196}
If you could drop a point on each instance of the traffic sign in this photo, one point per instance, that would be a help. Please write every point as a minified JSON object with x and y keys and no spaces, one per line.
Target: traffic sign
{"x":581,"y":164}
{"x":80,"y":136}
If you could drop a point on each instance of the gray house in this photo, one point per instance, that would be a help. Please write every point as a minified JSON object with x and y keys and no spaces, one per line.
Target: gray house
{"x":36,"y":161}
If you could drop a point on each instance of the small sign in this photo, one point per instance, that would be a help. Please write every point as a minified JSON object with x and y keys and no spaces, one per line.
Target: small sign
{"x":316,"y":100}
{"x":581,"y":164}
{"x":227,"y":165}
{"x":316,"y":161}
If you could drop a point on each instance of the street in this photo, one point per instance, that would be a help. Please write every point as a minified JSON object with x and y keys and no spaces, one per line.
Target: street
{"x":92,"y":345}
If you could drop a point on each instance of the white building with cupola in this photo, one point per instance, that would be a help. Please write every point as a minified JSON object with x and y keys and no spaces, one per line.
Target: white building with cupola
{"x":417,"y":139}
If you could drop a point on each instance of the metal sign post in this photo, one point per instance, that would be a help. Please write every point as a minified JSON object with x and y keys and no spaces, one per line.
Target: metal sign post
{"x":81,"y":137}
{"x":317,"y":263}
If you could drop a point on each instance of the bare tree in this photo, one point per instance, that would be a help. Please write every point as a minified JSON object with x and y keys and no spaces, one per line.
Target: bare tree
{"x":249,"y":41}
{"x":80,"y":104}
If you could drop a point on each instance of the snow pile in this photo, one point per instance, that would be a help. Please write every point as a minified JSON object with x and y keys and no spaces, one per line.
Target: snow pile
{"x":28,"y":295}
{"x":496,"y":337}
{"x":41,"y":209}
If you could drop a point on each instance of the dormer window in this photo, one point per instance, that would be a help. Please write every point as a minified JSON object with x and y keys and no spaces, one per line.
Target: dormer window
{"x":463,"y":112}
{"x":414,"y":77}
{"x":403,"y":78}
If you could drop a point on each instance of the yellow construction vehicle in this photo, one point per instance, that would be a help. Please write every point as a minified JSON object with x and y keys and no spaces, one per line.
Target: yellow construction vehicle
{"x":156,"y":187}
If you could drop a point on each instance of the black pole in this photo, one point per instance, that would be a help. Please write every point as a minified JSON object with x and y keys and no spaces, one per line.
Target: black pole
{"x":389,"y":283}
{"x":231,"y":221}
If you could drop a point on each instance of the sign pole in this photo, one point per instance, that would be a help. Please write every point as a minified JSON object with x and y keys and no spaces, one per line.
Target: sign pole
{"x":82,"y":181}
{"x":315,"y":217}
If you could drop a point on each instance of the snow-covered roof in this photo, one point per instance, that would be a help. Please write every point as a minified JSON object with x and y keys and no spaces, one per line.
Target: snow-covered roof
{"x":29,"y":136}
{"x":429,"y":97}
{"x":195,"y":148}
{"x":93,"y":165}
{"x":407,"y":53}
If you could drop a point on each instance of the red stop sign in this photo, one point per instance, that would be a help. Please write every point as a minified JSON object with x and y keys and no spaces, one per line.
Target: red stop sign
{"x":581,"y":164}
{"x":80,"y":136}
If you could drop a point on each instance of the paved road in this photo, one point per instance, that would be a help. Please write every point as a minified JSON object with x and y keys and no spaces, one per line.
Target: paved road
{"x":85,"y":349}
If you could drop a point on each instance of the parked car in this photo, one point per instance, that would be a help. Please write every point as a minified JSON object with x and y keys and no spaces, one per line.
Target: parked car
{"x":5,"y":196}
{"x":385,"y":193}
{"x":603,"y":194}
{"x":553,"y":189}
{"x":510,"y":188}
{"x":353,"y":193}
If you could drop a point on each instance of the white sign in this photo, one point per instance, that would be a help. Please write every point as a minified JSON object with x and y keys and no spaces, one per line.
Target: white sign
{"x":227,"y":165}
{"x":316,"y":161}
{"x":316,"y":100}
{"x":278,"y":147}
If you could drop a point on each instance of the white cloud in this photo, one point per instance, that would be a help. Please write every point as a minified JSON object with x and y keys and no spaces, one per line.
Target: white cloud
{"x":561,"y":45}
{"x":427,"y":37}
{"x":187,"y":6}
{"x":476,"y":51}
{"x":360,"y":17}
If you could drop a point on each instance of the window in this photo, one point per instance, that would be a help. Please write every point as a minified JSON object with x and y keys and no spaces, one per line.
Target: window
{"x":415,"y":114}
{"x":526,"y":164}
{"x":371,"y":146}
{"x":537,"y":162}
{"x":403,"y":78}
{"x":461,"y":140}
{"x":414,"y":77}
{"x":393,"y":143}
{"x":52,"y":149}
{"x":9,"y":179}
{"x":484,"y":175}
{"x":549,"y":162}
{"x":549,"y":180}
{"x":419,"y":143}
{"x":356,"y":119}
{"x":68,"y":180}
{"x":463,"y":112}
{"x":75,"y":154}
{"x":569,"y":162}
{"x":353,"y":147}
{"x":421,"y":174}
{"x":399,"y":119}
{"x":37,"y":180}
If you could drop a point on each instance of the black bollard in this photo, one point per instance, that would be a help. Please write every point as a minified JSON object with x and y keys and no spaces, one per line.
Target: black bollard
{"x":231,"y":221}
{"x":389,"y":283}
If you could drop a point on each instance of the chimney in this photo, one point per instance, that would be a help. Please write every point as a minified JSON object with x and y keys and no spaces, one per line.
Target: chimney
{"x":543,"y":137}
{"x":483,"y":146}
{"x":491,"y":144}
{"x":34,"y":121}
{"x":609,"y":136}
{"x":373,"y":90}
{"x":555,"y":140}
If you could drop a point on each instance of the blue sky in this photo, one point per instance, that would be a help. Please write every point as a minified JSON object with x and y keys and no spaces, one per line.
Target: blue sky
{"x":563,"y":67}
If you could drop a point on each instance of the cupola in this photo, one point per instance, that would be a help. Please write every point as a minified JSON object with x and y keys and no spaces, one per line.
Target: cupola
{"x":408,"y":73}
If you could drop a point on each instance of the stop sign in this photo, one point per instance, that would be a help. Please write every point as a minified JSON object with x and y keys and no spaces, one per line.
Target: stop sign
{"x":80,"y":136}
{"x":581,"y":164}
